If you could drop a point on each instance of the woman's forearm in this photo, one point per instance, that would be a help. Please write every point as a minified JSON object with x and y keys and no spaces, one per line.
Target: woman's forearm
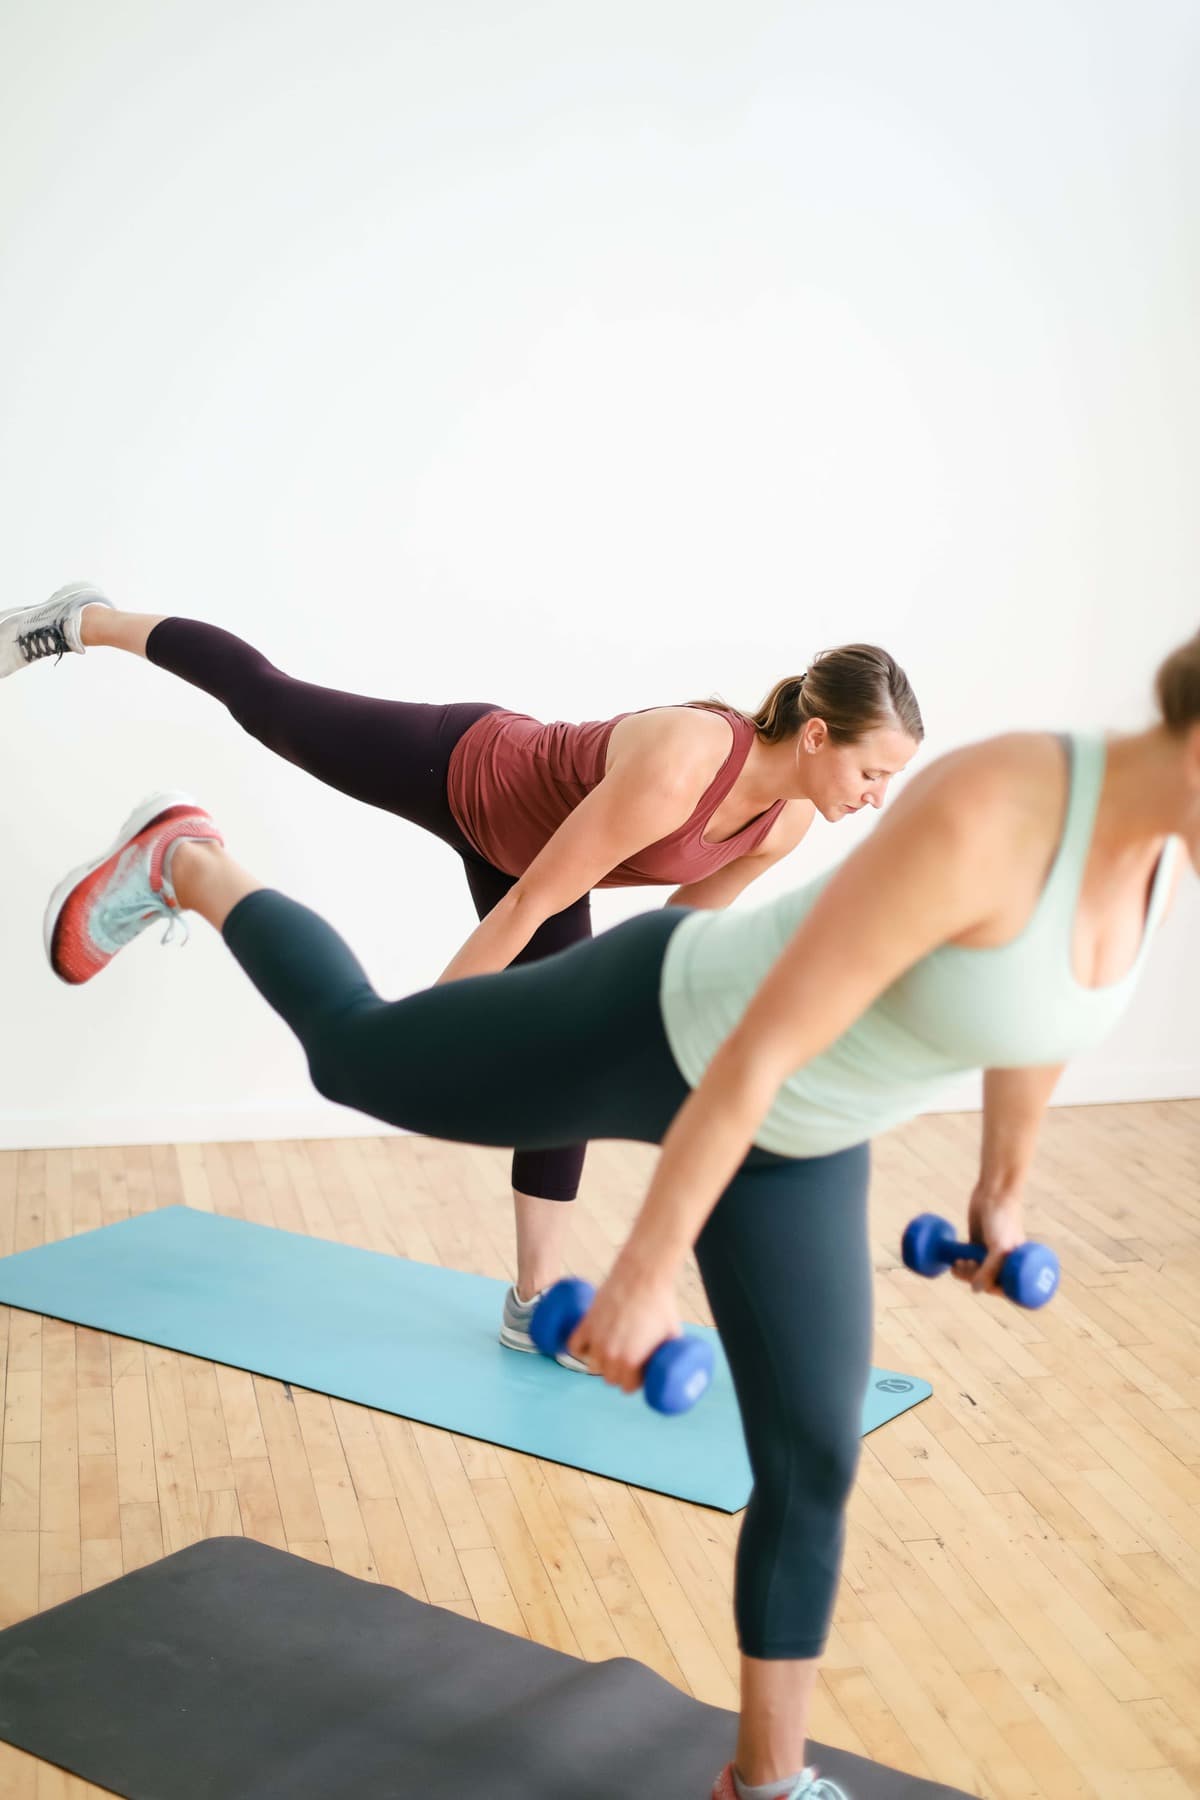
{"x":1014,"y":1105}
{"x":636,"y":1307}
{"x":496,"y":940}
{"x":701,"y":1153}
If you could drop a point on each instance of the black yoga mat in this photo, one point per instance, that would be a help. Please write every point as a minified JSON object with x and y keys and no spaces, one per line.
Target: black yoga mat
{"x":233,"y":1671}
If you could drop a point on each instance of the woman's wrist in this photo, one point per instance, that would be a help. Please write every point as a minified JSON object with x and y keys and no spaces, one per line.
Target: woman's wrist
{"x":990,"y":1203}
{"x":650,"y":1257}
{"x":1000,"y":1187}
{"x":997,"y":1211}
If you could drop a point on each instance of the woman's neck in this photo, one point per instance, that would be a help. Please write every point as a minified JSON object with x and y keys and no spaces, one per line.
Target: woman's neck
{"x":771,"y":772}
{"x":1145,"y":797}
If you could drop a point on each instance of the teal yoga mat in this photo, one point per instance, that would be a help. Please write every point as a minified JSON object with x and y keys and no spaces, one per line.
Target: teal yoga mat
{"x":404,"y":1337}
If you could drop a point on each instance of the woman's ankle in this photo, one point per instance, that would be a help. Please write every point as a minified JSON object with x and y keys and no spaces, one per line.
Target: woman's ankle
{"x":93,"y":623}
{"x":103,"y":627}
{"x":192,"y":864}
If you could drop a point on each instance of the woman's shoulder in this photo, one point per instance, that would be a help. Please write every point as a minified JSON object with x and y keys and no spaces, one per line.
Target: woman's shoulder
{"x":701,"y":737}
{"x":996,"y":768}
{"x":991,"y":795}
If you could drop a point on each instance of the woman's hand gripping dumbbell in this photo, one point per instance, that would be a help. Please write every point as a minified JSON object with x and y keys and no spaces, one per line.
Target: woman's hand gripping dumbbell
{"x":1029,"y":1275}
{"x":673,"y":1378}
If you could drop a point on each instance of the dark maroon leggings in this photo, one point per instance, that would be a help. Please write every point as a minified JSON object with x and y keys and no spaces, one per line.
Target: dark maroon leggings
{"x":388,"y":753}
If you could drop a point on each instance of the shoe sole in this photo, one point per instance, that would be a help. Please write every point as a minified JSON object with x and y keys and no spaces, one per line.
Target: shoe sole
{"x":523,"y":1342}
{"x":139,"y":818}
{"x":518,"y":1341}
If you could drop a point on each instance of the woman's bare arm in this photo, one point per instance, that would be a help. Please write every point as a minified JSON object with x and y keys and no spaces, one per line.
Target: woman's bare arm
{"x":1014,"y":1105}
{"x":929,"y":873}
{"x":646,"y":795}
{"x":712,"y":892}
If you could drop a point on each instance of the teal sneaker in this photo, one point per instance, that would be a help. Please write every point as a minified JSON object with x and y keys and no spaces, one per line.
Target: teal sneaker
{"x":807,"y":1786}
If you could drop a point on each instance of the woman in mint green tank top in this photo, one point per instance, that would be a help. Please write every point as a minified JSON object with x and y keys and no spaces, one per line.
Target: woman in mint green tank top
{"x":997,"y":918}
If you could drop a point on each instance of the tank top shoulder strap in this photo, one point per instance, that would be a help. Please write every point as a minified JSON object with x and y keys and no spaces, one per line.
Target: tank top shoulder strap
{"x":739,"y":724}
{"x":1161,"y":890}
{"x":731,"y":768}
{"x":1086,"y":758}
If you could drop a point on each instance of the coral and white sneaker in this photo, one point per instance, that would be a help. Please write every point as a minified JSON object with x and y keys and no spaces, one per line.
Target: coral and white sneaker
{"x":103,"y":905}
{"x":50,"y":629}
{"x":808,"y":1786}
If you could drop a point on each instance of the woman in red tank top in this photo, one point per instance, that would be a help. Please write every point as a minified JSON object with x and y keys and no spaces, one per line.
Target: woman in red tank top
{"x":698,"y":797}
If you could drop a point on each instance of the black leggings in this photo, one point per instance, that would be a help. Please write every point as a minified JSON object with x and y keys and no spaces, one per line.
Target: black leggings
{"x":575,"y":1048}
{"x":387,"y":753}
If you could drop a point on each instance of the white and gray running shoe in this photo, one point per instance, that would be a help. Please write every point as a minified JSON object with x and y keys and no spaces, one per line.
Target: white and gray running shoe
{"x":50,"y":629}
{"x":515,"y":1333}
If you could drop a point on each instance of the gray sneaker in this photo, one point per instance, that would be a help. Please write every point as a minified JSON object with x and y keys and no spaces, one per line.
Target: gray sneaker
{"x":515,"y":1335}
{"x":50,"y":629}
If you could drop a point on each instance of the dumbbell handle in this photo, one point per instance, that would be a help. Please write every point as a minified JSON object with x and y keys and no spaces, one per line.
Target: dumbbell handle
{"x":952,"y":1253}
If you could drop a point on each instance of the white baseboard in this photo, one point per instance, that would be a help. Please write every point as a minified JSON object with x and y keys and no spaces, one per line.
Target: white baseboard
{"x":1109,"y":1085}
{"x":1114,"y":1084}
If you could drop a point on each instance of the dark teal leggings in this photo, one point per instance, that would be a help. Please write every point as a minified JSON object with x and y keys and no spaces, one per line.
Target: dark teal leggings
{"x":573,"y":1048}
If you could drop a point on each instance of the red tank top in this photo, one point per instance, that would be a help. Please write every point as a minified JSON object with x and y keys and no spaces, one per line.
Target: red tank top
{"x":512,"y":781}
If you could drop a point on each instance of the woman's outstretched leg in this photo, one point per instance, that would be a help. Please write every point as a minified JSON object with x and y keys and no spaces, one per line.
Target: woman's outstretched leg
{"x":553,"y":1053}
{"x":392,"y":754}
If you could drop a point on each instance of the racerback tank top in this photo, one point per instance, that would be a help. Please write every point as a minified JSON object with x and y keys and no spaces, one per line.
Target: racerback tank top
{"x":958,"y":1009}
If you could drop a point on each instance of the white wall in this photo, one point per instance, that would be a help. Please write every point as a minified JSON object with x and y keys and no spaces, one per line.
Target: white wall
{"x":579,"y":356}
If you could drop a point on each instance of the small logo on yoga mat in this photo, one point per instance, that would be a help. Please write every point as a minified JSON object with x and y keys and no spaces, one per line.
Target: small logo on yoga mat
{"x":894,"y":1384}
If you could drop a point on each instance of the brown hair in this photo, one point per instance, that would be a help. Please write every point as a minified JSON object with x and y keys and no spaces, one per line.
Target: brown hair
{"x":1177,"y":686}
{"x":854,"y":689}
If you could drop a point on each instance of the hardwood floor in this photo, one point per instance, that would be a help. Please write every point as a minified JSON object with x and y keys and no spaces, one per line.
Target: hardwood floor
{"x":1020,"y":1614}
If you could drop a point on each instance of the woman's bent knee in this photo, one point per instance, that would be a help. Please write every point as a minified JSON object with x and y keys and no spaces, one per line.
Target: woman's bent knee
{"x":337,"y":1053}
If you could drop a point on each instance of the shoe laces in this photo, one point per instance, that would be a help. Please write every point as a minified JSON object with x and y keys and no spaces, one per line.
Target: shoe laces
{"x":812,"y":1786}
{"x":47,"y":640}
{"x":138,"y":910}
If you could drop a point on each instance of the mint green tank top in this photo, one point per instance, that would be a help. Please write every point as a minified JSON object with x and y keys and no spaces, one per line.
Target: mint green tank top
{"x":1015,"y":1006}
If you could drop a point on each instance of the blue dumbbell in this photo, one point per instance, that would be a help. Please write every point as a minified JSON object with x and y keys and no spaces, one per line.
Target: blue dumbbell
{"x":1029,"y":1275}
{"x":672,"y":1380}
